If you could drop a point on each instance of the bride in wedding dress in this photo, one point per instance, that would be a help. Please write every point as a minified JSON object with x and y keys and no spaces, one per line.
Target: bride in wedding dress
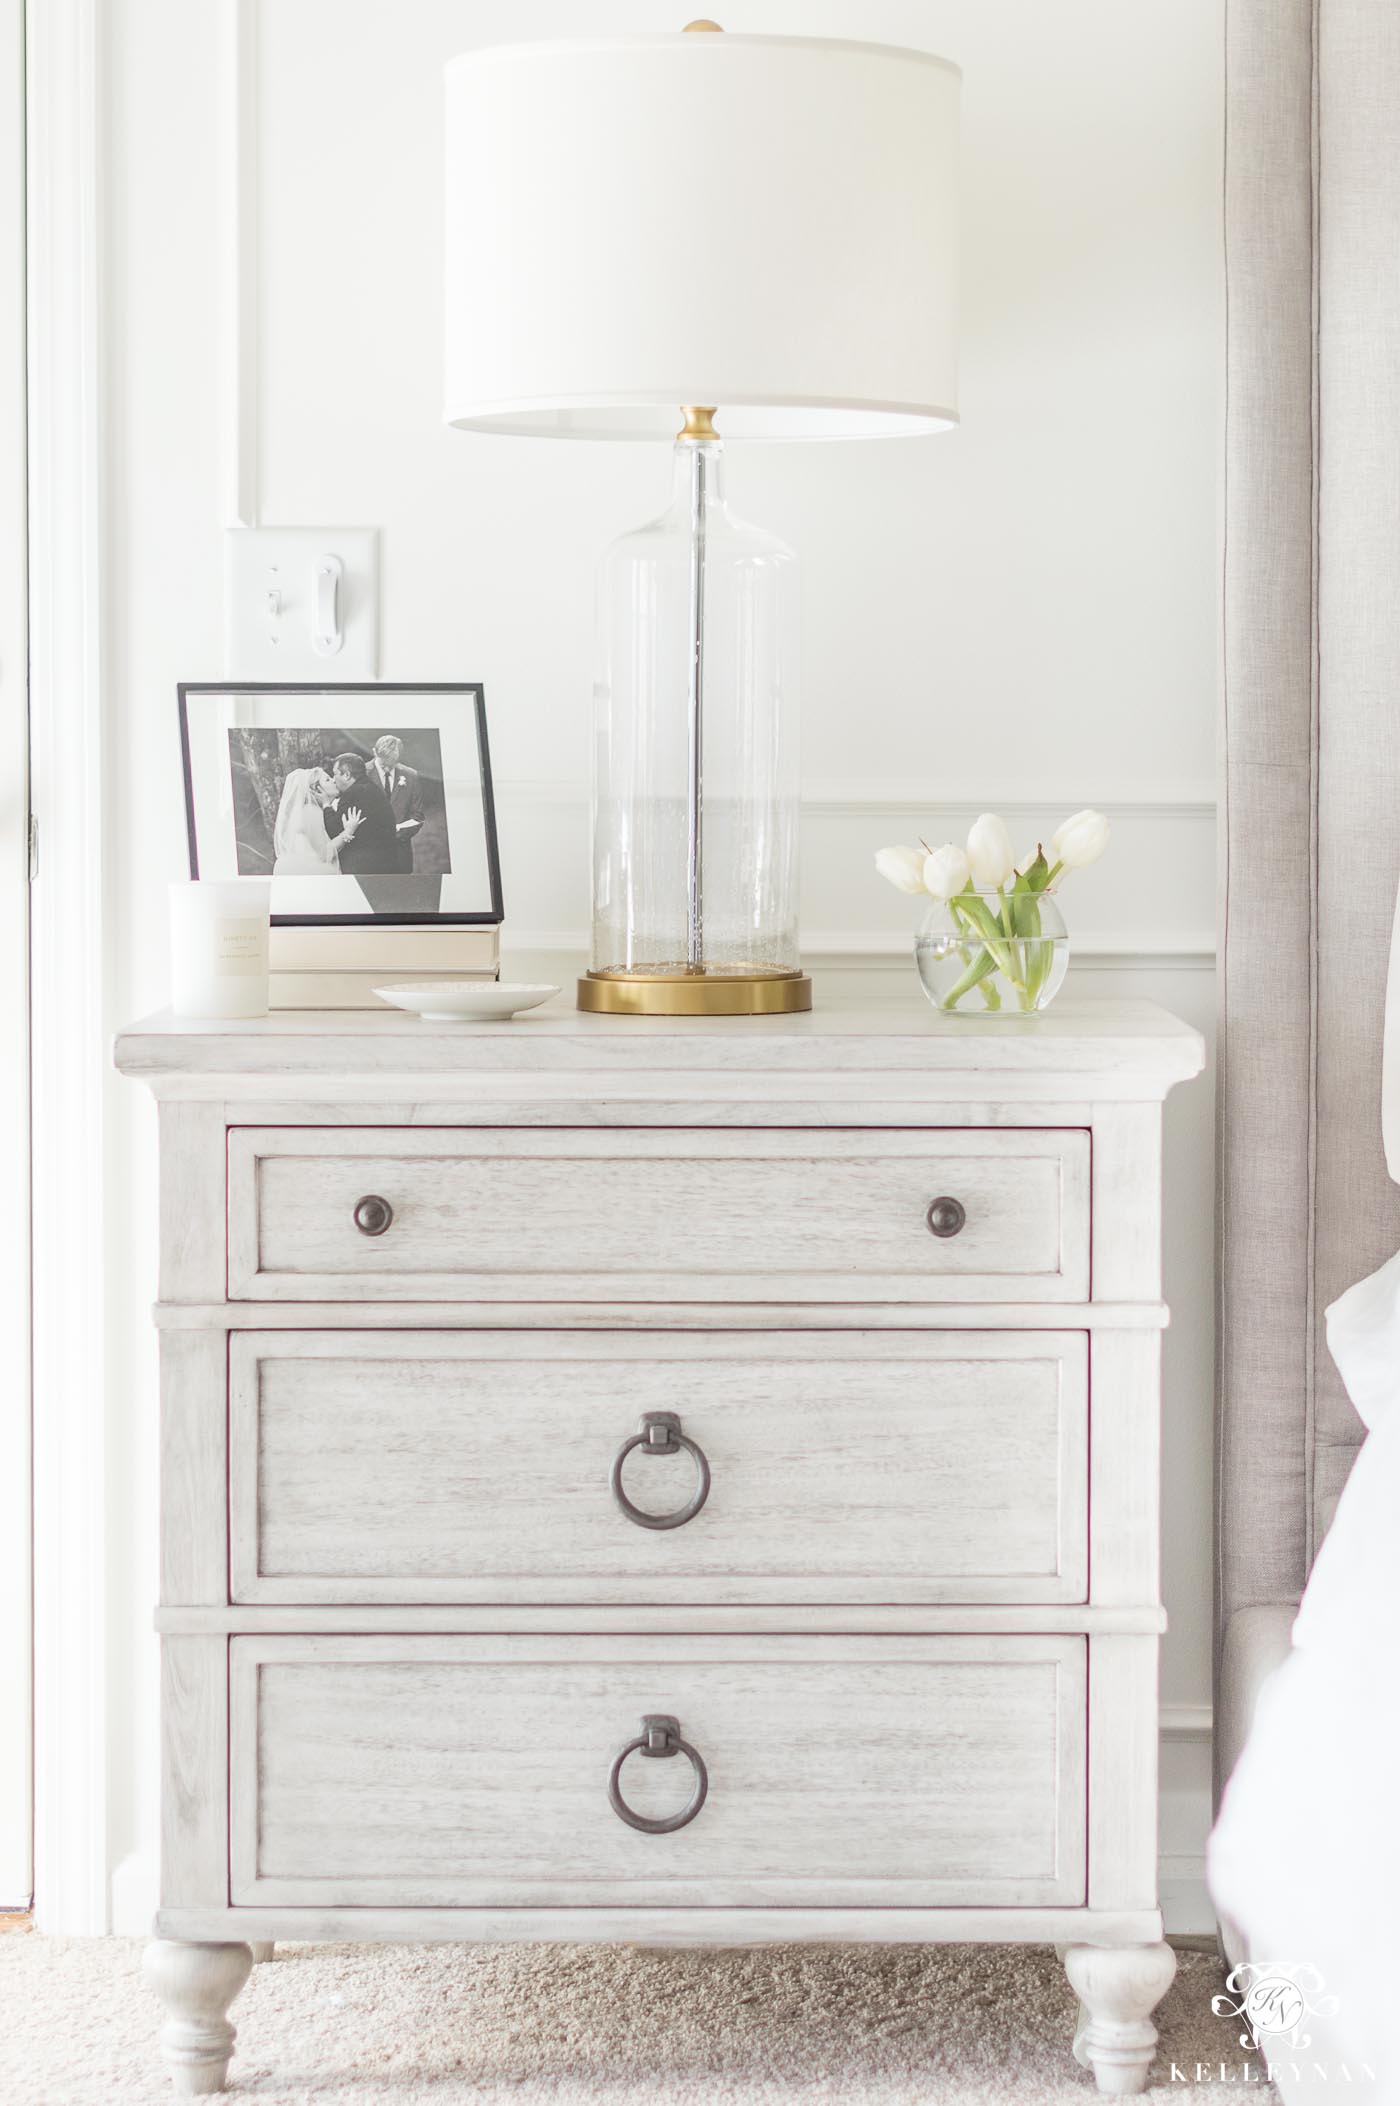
{"x":302,"y":843}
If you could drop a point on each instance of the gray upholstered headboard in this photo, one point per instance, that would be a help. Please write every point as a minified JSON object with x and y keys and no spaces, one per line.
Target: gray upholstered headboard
{"x":1310,"y":822}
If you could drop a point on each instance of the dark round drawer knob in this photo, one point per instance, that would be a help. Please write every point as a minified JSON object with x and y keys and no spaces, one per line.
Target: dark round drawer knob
{"x":946,"y":1216}
{"x":372,"y":1214}
{"x":661,"y":1737}
{"x":659,"y":1433}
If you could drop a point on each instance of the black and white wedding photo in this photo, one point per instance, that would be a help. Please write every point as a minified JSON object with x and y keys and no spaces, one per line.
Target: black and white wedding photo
{"x":335,"y":803}
{"x":360,"y":803}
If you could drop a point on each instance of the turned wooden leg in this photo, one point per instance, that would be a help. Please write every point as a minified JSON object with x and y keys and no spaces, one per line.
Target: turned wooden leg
{"x":196,"y":1984}
{"x":1081,"y":2024}
{"x":261,"y":1949}
{"x":1118,"y":1987}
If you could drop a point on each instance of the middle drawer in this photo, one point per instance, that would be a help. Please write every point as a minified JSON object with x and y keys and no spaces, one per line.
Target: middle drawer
{"x":482,"y":1467}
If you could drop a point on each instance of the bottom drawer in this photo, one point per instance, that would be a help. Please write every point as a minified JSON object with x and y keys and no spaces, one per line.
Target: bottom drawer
{"x":474,"y":1772}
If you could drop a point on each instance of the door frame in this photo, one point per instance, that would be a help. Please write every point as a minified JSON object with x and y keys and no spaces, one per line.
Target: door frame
{"x":71,"y":1064}
{"x":16,"y":1658}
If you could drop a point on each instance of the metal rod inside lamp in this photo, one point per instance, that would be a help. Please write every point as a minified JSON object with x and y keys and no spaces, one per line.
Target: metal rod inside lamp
{"x":699,"y":426}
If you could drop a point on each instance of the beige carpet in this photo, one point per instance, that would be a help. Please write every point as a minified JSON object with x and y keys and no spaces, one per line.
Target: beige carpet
{"x":435,"y":2025}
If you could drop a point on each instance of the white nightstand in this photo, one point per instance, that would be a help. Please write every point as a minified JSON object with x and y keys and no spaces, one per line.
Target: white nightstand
{"x":883,"y":1287}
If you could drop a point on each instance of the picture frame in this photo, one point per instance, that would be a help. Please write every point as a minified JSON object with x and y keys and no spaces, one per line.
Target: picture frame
{"x":368,"y":804}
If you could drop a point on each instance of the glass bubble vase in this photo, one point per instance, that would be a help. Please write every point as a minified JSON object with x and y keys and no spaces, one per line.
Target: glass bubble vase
{"x":992,"y":953}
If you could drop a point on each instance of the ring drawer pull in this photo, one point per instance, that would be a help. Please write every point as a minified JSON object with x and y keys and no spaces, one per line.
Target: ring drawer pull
{"x":372,"y":1214}
{"x":945,"y":1217}
{"x":659,"y":1433}
{"x":660,"y":1736}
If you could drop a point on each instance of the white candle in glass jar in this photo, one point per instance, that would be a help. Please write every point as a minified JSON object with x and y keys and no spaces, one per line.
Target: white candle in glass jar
{"x":218,"y":947}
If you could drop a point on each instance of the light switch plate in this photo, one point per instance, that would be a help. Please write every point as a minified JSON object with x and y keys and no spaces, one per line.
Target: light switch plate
{"x":271,"y":608}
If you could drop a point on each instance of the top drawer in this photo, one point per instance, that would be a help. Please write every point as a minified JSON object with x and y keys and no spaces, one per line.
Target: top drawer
{"x":676,"y":1215}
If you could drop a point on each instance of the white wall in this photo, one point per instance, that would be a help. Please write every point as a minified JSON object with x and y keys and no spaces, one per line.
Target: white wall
{"x":1020,"y":613}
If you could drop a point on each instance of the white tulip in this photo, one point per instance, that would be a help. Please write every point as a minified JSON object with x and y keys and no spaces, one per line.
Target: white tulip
{"x":904,"y":867}
{"x":946,"y":871}
{"x":989,"y":851}
{"x":1081,"y":840}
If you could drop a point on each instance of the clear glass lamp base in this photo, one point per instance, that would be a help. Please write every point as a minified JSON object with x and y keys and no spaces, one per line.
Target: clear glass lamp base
{"x":681,"y":993}
{"x":695,"y":814}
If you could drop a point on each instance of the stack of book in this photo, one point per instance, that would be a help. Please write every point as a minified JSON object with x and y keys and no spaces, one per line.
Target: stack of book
{"x":339,"y":968}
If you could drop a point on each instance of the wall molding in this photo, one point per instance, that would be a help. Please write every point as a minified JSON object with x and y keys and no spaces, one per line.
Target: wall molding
{"x":1129,"y":951}
{"x":238,"y":257}
{"x":1125,"y":801}
{"x":69,"y":968}
{"x":1184,"y":1897}
{"x":880,"y":797}
{"x":1186,"y":1721}
{"x":135,"y":1895}
{"x":825,"y":950}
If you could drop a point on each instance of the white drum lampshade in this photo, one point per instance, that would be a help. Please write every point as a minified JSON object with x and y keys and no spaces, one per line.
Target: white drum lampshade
{"x":768,"y":224}
{"x":752,"y":233}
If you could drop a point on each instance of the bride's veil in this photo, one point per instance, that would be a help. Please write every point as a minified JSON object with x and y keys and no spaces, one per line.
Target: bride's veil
{"x":296,"y":796}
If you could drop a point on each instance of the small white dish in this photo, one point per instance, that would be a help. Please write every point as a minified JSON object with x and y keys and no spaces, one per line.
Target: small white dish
{"x":466,"y":1001}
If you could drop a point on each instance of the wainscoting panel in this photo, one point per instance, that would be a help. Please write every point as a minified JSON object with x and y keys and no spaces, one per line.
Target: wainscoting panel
{"x":1151,"y":898}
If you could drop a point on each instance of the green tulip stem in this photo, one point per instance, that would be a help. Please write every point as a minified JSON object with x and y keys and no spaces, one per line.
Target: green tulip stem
{"x":1009,"y":941}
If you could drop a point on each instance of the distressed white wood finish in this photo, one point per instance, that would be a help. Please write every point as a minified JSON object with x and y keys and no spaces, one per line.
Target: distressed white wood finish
{"x":196,"y":1984}
{"x":193,"y":1467}
{"x":1125,"y":1441}
{"x":1123,"y":1739}
{"x":392,"y":1758}
{"x":679,"y":1099}
{"x":651,"y":1317}
{"x":1118,"y":1993}
{"x":1127,"y":1171}
{"x":872,"y":1772}
{"x":423,"y":1466}
{"x":193,"y":1266}
{"x":194,"y":1770}
{"x":600,"y":1618}
{"x":671,"y":1926}
{"x":645,"y":1216}
{"x":1094,"y":1051}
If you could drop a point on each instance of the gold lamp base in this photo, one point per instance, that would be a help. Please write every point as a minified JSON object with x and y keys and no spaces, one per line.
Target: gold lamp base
{"x":695,"y":994}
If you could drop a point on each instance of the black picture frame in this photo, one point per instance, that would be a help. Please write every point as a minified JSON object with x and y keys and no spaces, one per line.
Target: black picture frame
{"x":471,"y":691}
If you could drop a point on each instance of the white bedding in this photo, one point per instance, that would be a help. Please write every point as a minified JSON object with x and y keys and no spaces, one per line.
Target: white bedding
{"x":1305,"y":1858}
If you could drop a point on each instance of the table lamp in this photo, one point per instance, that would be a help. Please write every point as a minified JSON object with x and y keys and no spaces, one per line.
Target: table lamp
{"x":708,"y":238}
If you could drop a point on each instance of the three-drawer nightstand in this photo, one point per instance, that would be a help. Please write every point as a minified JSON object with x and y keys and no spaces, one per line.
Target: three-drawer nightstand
{"x":679,"y":1481}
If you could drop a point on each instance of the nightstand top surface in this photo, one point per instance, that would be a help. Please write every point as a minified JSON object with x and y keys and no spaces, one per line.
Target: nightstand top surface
{"x":843,"y":1033}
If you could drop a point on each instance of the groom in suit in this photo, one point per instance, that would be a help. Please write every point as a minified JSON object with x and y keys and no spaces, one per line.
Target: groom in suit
{"x":373,"y":850}
{"x":382,"y":868}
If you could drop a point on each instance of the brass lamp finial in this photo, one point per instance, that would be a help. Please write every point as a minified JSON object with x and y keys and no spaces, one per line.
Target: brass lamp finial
{"x":699,"y":421}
